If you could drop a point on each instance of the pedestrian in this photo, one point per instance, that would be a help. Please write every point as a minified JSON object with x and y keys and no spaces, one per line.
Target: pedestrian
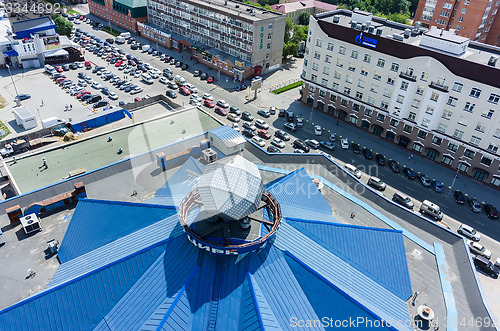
{"x":337,"y":122}
{"x":70,"y":106}
{"x":43,"y":104}
{"x":44,"y":163}
{"x":134,"y":192}
{"x":353,"y":214}
{"x":15,"y":161}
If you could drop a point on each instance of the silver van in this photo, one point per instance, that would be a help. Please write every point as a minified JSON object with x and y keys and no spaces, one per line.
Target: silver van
{"x":353,"y":170}
{"x":431,"y":209}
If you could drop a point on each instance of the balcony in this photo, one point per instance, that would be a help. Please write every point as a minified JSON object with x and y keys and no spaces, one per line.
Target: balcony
{"x":406,"y":76}
{"x":439,"y":87}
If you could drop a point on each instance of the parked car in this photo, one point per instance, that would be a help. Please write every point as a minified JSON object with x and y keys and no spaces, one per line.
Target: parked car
{"x":344,"y":143}
{"x":273,"y":149}
{"x":474,"y":205}
{"x":332,"y":136}
{"x":208,"y":96}
{"x":313,"y":143}
{"x":426,"y":182}
{"x":356,"y":149}
{"x":171,"y":94}
{"x":469,"y":232}
{"x":301,"y":144}
{"x":459,"y":197}
{"x":282,"y":135}
{"x":478,"y":249}
{"x":367,"y":153}
{"x":278,"y":142}
{"x":377,"y":183}
{"x":486,"y":266}
{"x":22,"y":97}
{"x":437,"y":186}
{"x":259,"y":141}
{"x":209,"y":103}
{"x":290,"y":126}
{"x":300,"y":122}
{"x":246,"y":116}
{"x":210,"y":79}
{"x":220,"y":111}
{"x":491,"y":211}
{"x":380,"y":159}
{"x":249,"y":126}
{"x":272,"y":110}
{"x":263,"y":113}
{"x":222,"y":103}
{"x":233,"y":117}
{"x":248,"y":133}
{"x":402,"y":200}
{"x":261,"y":124}
{"x":394,"y":166}
{"x":410,"y":174}
{"x":327,"y":144}
{"x":281,"y":113}
{"x":235,"y":110}
{"x":264,"y":134}
{"x":100,"y":104}
{"x":318,"y":130}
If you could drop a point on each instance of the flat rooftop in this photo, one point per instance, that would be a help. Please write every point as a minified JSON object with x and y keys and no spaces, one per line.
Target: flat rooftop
{"x":235,"y":8}
{"x":475,"y":52}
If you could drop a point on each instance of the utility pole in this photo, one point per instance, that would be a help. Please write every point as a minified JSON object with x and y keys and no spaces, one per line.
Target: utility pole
{"x":18,"y":102}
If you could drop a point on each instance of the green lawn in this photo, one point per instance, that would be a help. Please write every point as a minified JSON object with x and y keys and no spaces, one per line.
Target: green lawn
{"x":71,"y":12}
{"x":288,"y":87}
{"x":111,"y":31}
{"x":4,"y":131}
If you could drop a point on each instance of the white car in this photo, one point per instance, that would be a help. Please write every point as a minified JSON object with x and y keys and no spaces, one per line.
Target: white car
{"x":236,"y":127}
{"x":332,"y":136}
{"x":300,"y":122}
{"x":222,"y":103}
{"x":278,"y":142}
{"x":127,"y":70}
{"x":136,"y":90}
{"x":233,"y":117}
{"x":89,"y":80}
{"x":79,"y":64}
{"x":82,"y":82}
{"x":137,"y":74}
{"x":344,"y":143}
{"x":469,"y":232}
{"x":194,"y":102}
{"x":318,"y":130}
{"x":261,"y":124}
{"x":259,"y":141}
{"x":207,"y":96}
{"x":197,"y":99}
{"x":113,"y":96}
{"x":478,"y":249}
{"x":163,"y":80}
{"x":97,"y":86}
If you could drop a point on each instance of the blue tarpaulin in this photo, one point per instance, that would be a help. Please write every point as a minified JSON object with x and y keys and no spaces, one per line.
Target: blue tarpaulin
{"x":11,"y":53}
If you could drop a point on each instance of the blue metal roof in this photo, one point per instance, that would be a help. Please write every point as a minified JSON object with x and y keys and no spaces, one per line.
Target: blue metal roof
{"x":229,"y":136}
{"x":297,"y":189}
{"x":11,"y":53}
{"x":363,"y":245}
{"x":96,"y":223}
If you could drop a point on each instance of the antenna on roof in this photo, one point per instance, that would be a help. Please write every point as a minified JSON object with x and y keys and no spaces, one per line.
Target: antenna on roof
{"x":441,"y":32}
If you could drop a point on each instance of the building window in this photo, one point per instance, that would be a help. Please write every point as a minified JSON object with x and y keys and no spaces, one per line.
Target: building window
{"x":268,"y":46}
{"x":460,"y":19}
{"x":394,"y":122}
{"x":374,"y":88}
{"x":359,"y":95}
{"x":457,"y":87}
{"x":317,"y":55}
{"x":384,"y":105}
{"x":407,"y":128}
{"x":404,"y":85}
{"x":486,"y":161}
{"x":442,"y":127}
{"x":497,"y":133}
{"x":488,"y":113}
{"x":269,"y":36}
{"x":368,"y":111}
{"x":356,"y":107}
{"x":469,"y":106}
{"x":314,"y":78}
{"x":270,"y":26}
{"x":344,"y":102}
{"x":447,"y":160}
{"x":324,"y":82}
{"x":367,"y":58}
{"x":462,"y":166}
{"x":364,"y":72}
{"x":361,"y":83}
{"x":480,"y":127}
{"x":380,"y":117}
{"x":458,"y":134}
{"x":475,"y":140}
{"x":417,"y":147}
{"x":342,"y":50}
{"x":411,"y":116}
{"x":318,"y":42}
{"x":475,"y":92}
{"x":400,"y":98}
{"x":328,"y":59}
{"x":354,"y":54}
{"x":446,"y":114}
{"x":464,"y":10}
{"x":437,"y":141}
{"x":352,"y":67}
{"x":390,"y":80}
{"x":337,"y":74}
{"x":333,"y":97}
{"x":452,"y":101}
{"x":424,"y":76}
{"x":492,"y":148}
{"x":494,"y":98}
{"x":340,"y":63}
{"x":315,"y":67}
{"x":469,"y":154}
{"x":371,"y":100}
{"x":434,"y":96}
{"x":326,"y":70}
{"x":387,"y":93}
{"x":422,"y":134}
{"x":335,"y":86}
{"x":329,"y":47}
{"x":377,"y":76}
{"x":452,"y":147}
{"x":429,"y":110}
{"x":396,"y":111}
{"x":425,"y":122}
{"x":347,"y":90}
{"x":462,"y":121}
{"x":380,"y":62}
{"x":420,"y":90}
{"x":322,"y":93}
{"x":394,"y":66}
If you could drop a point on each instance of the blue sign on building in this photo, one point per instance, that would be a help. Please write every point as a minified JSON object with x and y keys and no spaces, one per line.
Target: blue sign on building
{"x":367,"y":41}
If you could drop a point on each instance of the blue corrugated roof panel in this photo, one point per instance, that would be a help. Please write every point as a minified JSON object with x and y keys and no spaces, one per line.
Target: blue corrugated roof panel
{"x":139,"y":240}
{"x":266,"y":315}
{"x":228,"y":135}
{"x":362,"y":246}
{"x":359,"y":287}
{"x":96,"y":223}
{"x":79,"y":304}
{"x":298,"y":189}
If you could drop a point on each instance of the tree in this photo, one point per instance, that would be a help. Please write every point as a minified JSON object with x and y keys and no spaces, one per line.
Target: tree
{"x":304,"y":18}
{"x":290,"y":48}
{"x":288,"y":30}
{"x":299,"y":33}
{"x":63,"y":27}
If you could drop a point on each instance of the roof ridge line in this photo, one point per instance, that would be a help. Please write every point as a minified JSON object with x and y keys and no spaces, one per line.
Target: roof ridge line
{"x":126,"y":203}
{"x":343,"y":225}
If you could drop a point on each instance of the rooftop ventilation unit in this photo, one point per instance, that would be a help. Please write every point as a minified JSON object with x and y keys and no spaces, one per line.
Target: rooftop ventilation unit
{"x":398,"y":37}
{"x":237,"y":6}
{"x":371,"y":29}
{"x":353,"y":24}
{"x":379,"y":32}
{"x":358,"y":26}
{"x":407,"y":33}
{"x":336,"y":18}
{"x":492,"y":61}
{"x":209,"y":155}
{"x":30,"y":223}
{"x":364,"y":27}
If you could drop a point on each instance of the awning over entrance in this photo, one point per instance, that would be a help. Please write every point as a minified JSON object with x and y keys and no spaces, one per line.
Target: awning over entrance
{"x":11,"y":53}
{"x":55,"y":52}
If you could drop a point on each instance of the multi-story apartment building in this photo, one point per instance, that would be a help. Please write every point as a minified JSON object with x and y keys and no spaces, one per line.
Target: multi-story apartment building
{"x":238,"y":39}
{"x":292,"y":9}
{"x":432,"y":92}
{"x":125,"y":13}
{"x":477,"y":20}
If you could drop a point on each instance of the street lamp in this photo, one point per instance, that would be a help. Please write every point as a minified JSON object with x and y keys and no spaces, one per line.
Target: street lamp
{"x":455,"y":176}
{"x":18,"y":102}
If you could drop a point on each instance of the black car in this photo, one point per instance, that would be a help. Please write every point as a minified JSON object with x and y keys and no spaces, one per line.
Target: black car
{"x":380,"y":159}
{"x":246,"y":116}
{"x":290,"y":116}
{"x":459,"y":197}
{"x":86,"y":97}
{"x":410,"y":174}
{"x":355,"y":148}
{"x":281,"y":113}
{"x":235,"y":110}
{"x":203,"y":76}
{"x":248,"y":133}
{"x":130,"y":40}
{"x":133,"y":47}
{"x":171,"y":94}
{"x":486,"y":266}
{"x":82,"y":75}
{"x":394,"y":166}
{"x":196,"y":73}
{"x":273,"y":149}
{"x":184,"y":66}
{"x":94,"y":98}
{"x":105,"y":90}
{"x":100,"y":104}
{"x":367,"y":153}
{"x":96,"y":69}
{"x":301,"y":144}
{"x":282,"y":135}
{"x":491,"y":211}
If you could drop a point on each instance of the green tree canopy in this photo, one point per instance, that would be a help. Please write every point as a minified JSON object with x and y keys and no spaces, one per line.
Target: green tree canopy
{"x":304,"y":18}
{"x":63,"y":27}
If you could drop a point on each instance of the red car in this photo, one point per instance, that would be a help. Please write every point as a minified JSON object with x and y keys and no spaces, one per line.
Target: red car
{"x":137,"y":99}
{"x":118,"y":63}
{"x":60,"y":79}
{"x":220,"y":111}
{"x":81,"y":94}
{"x":264,"y":134}
{"x":184,"y":91}
{"x":88,"y":65}
{"x":58,"y":69}
{"x":210,"y":79}
{"x":209,"y":103}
